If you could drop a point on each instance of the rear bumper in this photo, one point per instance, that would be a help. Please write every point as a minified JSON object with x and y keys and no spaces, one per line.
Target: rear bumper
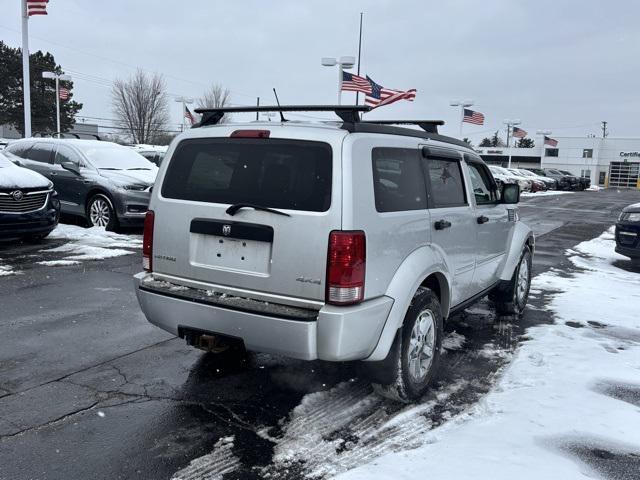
{"x":628,"y":240}
{"x":332,"y":333}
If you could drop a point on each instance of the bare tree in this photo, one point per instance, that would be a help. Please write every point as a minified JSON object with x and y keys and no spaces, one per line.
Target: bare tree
{"x":216,"y":97}
{"x":141,"y":106}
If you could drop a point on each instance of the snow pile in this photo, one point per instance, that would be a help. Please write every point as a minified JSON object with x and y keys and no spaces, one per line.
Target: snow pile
{"x":560,"y":397}
{"x":212,"y":466}
{"x":6,"y":270}
{"x":90,"y":244}
{"x":543,"y":194}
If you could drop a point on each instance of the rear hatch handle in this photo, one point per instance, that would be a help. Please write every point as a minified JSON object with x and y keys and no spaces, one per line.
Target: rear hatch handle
{"x":233,"y":209}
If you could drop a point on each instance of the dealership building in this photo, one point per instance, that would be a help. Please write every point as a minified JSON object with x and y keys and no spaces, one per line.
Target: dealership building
{"x":608,"y":162}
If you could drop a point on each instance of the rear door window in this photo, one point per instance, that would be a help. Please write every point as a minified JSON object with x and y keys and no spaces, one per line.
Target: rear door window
{"x":288,"y":174}
{"x":398,"y":183}
{"x":446,"y":184}
{"x":40,"y":152}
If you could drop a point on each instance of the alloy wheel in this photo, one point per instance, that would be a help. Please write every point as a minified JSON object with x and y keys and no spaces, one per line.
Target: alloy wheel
{"x":422,"y":343}
{"x":99,"y":212}
{"x":523,"y":280}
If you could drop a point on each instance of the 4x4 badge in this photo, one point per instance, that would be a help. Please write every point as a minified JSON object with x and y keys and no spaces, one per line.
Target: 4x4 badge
{"x":226,"y":230}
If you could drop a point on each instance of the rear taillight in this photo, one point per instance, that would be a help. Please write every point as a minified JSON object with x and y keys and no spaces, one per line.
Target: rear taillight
{"x":251,"y":134}
{"x":346,"y":262}
{"x":147,"y":241}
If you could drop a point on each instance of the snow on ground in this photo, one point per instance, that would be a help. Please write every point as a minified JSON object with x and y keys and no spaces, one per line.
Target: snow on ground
{"x":89,"y":244}
{"x":6,"y":270}
{"x":544,"y":194}
{"x":559,"y":399}
{"x":212,"y":466}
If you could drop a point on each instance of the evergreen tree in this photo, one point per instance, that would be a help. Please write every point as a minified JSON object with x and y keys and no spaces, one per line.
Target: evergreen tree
{"x":467,"y":141}
{"x":486,"y":142}
{"x":496,"y":141}
{"x":525,"y":143}
{"x":43,"y":92}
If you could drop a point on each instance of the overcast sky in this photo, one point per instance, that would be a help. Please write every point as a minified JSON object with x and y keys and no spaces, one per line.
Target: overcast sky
{"x":559,"y":65}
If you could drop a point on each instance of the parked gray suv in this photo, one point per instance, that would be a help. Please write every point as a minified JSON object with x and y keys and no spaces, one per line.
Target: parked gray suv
{"x":336,"y":241}
{"x":105,"y":183}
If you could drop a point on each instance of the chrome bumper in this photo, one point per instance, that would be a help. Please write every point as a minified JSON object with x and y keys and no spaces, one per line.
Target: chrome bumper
{"x":335,"y":334}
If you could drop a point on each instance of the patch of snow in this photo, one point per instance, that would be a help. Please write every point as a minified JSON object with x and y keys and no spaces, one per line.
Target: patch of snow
{"x":13,"y":176}
{"x":549,"y":392}
{"x":544,"y":194}
{"x":58,"y":263}
{"x":212,"y":466}
{"x":453,"y":341}
{"x":6,"y":270}
{"x":94,"y":243}
{"x":594,"y":188}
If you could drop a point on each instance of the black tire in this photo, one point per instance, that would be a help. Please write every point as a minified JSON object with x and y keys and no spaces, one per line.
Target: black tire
{"x":402,"y":376}
{"x":510,"y":297}
{"x":100,"y":213}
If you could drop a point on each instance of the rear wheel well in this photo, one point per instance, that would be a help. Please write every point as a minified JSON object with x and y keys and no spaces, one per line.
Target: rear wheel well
{"x":97,"y":191}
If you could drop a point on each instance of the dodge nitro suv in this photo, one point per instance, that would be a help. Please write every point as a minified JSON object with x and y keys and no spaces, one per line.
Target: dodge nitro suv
{"x":338,"y":241}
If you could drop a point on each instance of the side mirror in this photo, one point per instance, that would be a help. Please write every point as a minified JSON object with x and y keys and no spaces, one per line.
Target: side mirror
{"x":72,"y":167}
{"x":510,"y":193}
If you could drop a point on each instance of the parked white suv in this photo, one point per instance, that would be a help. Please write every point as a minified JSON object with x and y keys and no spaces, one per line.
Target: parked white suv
{"x":336,"y":241}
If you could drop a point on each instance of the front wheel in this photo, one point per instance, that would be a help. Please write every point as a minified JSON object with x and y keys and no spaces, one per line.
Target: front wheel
{"x":414,"y":356}
{"x":510,"y":297}
{"x":100,"y":213}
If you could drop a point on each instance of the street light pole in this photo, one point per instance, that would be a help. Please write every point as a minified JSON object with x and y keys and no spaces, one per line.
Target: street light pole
{"x":510,"y":124}
{"x":462,"y":104}
{"x":342,"y":63}
{"x":57,"y":79}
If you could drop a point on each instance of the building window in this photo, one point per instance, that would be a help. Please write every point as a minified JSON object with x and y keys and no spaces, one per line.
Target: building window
{"x":585,"y":173}
{"x":551,"y":152}
{"x":587,"y":153}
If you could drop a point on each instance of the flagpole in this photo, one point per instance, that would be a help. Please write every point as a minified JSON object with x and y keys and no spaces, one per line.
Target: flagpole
{"x":26,"y":83}
{"x":58,"y":103}
{"x":359,"y":53}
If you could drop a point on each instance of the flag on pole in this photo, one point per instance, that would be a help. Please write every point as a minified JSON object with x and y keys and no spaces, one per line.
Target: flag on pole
{"x":355,"y":83}
{"x":189,"y":116}
{"x":37,"y":7}
{"x":519,"y":132}
{"x":380,"y":96}
{"x":473,"y":117}
{"x":550,"y":141}
{"x":64,"y":93}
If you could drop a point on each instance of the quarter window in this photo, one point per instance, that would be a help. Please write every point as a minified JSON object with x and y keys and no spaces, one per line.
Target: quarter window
{"x":65,"y":154}
{"x":445,"y":181}
{"x":398,"y":182}
{"x":40,"y":152}
{"x":483,"y":190}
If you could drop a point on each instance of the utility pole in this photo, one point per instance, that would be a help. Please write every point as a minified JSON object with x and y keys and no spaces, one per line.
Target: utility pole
{"x":605,"y":134}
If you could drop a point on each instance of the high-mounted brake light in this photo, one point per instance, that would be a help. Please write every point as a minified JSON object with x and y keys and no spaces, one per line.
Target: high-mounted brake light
{"x":346,"y":261}
{"x":147,"y":241}
{"x":251,"y":134}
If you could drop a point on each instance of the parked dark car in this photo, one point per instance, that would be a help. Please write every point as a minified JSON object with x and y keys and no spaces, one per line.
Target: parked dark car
{"x":583,"y":182}
{"x":566,"y":181}
{"x":105,"y":183}
{"x":29,"y":206}
{"x":628,"y":233}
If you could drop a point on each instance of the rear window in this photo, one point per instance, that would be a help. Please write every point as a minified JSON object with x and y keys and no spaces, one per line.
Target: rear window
{"x":288,"y":174}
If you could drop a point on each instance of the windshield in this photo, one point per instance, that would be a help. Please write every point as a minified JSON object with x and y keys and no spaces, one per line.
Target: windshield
{"x":115,"y":157}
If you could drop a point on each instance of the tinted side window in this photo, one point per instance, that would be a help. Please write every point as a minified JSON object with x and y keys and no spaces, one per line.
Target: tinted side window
{"x":446,"y":184}
{"x":291,"y":174}
{"x":40,"y":152}
{"x":19,"y":149}
{"x":66,"y":154}
{"x":483,"y":189}
{"x":398,"y":182}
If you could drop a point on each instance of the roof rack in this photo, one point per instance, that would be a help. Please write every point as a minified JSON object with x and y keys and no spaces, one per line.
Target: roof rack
{"x":429,"y":126}
{"x":348,"y":113}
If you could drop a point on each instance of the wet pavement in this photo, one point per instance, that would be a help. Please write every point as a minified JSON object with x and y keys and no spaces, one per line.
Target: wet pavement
{"x":88,"y":389}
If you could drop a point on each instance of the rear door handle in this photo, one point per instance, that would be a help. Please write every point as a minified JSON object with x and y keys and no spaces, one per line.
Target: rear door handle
{"x":482,"y":219}
{"x":53,"y":174}
{"x":442,"y":224}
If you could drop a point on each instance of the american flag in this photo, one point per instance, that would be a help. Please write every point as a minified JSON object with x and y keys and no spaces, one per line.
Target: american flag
{"x":380,"y":96}
{"x":550,"y":141}
{"x":355,"y":83}
{"x":473,"y":117}
{"x":37,"y":7}
{"x":189,"y":116}
{"x":519,"y":133}
{"x":64,"y":93}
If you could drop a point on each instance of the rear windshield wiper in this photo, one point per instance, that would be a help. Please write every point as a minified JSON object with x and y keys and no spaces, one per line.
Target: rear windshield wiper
{"x":233,"y":209}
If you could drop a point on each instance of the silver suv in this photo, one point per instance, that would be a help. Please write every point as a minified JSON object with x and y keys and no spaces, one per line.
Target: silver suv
{"x":336,"y":241}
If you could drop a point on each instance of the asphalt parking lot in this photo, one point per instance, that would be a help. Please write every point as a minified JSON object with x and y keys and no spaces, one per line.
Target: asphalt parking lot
{"x":88,"y":389}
